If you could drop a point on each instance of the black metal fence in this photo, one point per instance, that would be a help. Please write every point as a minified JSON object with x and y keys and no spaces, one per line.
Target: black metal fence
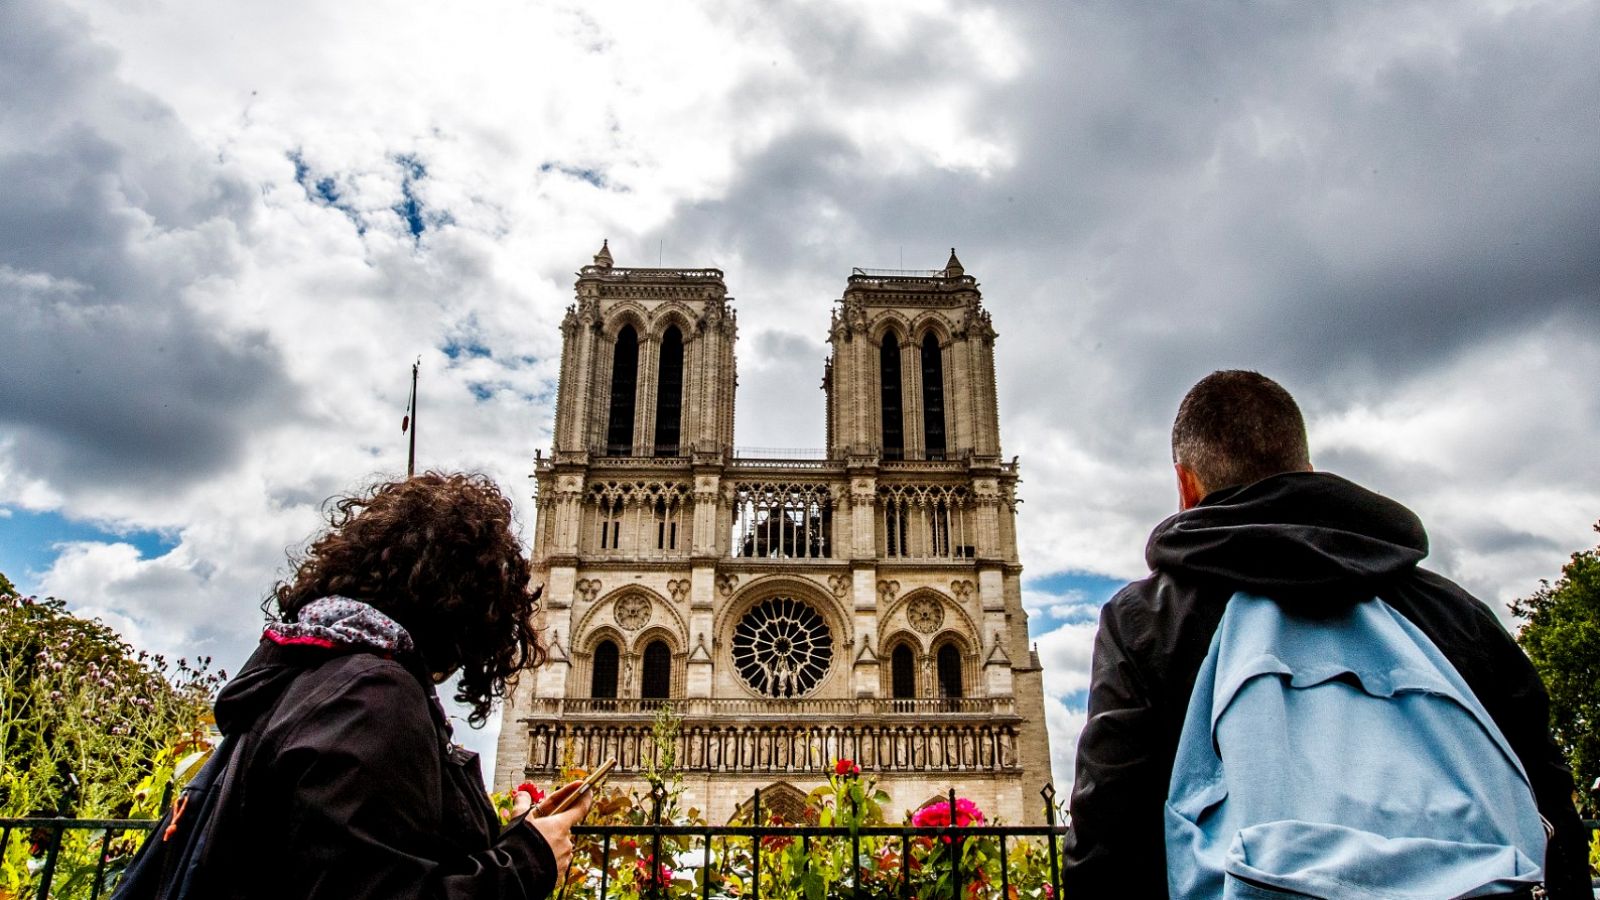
{"x":84,"y":858}
{"x":951,"y":838}
{"x":63,"y":858}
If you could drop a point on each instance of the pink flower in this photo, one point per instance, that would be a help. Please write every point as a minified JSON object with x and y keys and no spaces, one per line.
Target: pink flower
{"x":846,"y":767}
{"x":937,"y":815}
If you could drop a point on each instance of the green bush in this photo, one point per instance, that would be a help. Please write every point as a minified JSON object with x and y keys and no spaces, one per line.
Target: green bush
{"x":89,"y":728}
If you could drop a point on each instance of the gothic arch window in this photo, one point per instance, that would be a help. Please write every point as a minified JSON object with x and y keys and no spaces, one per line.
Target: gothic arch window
{"x":624,"y":390}
{"x":894,"y":439}
{"x":903,"y":672}
{"x":603,"y":679}
{"x":655,"y":680}
{"x":949,"y":667}
{"x":669,"y":396}
{"x":932,"y":396}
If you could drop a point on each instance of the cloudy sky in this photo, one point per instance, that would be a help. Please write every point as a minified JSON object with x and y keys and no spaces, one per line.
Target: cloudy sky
{"x":227,"y":228}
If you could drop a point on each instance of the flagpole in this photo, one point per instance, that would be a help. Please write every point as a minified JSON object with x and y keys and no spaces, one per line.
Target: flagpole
{"x":411,"y":457}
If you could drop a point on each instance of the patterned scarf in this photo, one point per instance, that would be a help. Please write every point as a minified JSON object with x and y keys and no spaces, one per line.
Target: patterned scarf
{"x":343,"y":624}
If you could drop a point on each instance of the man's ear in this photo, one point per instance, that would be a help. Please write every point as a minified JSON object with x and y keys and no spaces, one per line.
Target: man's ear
{"x":1190,"y":490}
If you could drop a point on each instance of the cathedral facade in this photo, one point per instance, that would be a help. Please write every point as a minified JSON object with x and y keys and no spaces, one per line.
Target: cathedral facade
{"x":862,"y":601}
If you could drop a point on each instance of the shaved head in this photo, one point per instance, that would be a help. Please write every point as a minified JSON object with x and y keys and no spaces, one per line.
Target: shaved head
{"x":1237,"y":427}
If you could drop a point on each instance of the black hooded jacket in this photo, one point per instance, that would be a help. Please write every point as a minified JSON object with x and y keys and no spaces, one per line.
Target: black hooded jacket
{"x":351,"y":788}
{"x":1307,"y":539}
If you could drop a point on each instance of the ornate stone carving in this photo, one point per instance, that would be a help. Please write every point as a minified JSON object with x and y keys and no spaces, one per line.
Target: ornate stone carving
{"x":726,"y":583}
{"x":925,"y":614}
{"x":962,"y":589}
{"x":840,"y":585}
{"x":633,"y":611}
{"x":679,"y":589}
{"x":887,"y":591}
{"x":588,"y":589}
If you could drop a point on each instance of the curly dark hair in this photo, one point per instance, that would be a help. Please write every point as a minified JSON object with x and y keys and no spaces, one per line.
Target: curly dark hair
{"x":436,"y":553}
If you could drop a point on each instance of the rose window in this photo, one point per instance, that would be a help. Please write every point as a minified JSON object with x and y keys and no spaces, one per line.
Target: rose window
{"x":925,"y":614}
{"x":632,"y":612}
{"x":782,"y":647}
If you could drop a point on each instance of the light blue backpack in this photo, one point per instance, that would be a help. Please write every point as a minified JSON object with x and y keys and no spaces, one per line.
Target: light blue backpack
{"x":1342,"y":757}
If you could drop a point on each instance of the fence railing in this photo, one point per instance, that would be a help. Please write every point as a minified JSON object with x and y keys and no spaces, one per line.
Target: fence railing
{"x":72,"y":857}
{"x":945,"y":873}
{"x":84,"y":858}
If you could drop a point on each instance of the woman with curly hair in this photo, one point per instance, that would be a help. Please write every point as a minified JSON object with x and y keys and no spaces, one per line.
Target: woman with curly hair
{"x":350,"y":785}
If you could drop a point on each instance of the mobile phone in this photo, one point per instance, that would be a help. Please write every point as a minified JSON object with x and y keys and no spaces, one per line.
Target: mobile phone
{"x":589,"y":784}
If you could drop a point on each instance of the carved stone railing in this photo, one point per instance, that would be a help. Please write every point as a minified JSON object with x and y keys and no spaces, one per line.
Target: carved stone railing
{"x":761,"y":748}
{"x":986,"y":708}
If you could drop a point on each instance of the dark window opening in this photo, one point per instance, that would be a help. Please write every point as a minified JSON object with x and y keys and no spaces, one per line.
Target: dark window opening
{"x":666,"y":527}
{"x":894,"y":441}
{"x":903,"y":671}
{"x":933,"y":396}
{"x":894,"y":532}
{"x":656,"y":678}
{"x":603,"y":683}
{"x":624,"y":388}
{"x":669,"y":397}
{"x":949,"y":671}
{"x":610,"y":524}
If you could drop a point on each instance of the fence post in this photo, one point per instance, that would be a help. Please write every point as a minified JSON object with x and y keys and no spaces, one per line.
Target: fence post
{"x":955,"y":851}
{"x":755,"y":845}
{"x":49,"y":873}
{"x":658,"y":796}
{"x":1049,"y":795}
{"x":855,"y":845}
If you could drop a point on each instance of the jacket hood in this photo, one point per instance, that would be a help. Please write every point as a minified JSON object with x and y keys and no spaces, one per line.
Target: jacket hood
{"x":1299,"y":536}
{"x":262,"y":680}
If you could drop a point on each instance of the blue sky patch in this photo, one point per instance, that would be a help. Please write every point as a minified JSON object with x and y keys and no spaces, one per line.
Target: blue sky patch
{"x":1081,"y":594}
{"x":323,"y":190}
{"x":1093,"y":587}
{"x":28,"y":542}
{"x":594,"y":177}
{"x":468,"y":348}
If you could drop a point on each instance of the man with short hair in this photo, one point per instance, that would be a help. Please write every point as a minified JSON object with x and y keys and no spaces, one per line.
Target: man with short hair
{"x":1255,"y":518}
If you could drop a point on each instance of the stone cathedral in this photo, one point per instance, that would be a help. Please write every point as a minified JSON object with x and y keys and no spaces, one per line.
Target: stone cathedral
{"x":860,"y":601}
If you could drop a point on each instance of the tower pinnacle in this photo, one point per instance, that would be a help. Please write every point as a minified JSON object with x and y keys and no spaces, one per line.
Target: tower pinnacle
{"x":953,"y":269}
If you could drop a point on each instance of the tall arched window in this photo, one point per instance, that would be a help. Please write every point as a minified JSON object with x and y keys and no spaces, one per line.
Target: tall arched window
{"x":903,"y":672}
{"x":669,"y":396}
{"x":894,"y":440}
{"x":603,"y":681}
{"x":656,"y":678}
{"x":932,"y":396}
{"x":949,"y":671}
{"x":624,"y":388}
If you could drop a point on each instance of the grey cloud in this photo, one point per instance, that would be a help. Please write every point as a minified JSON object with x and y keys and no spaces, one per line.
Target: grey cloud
{"x":110,"y":214}
{"x":1408,"y":211}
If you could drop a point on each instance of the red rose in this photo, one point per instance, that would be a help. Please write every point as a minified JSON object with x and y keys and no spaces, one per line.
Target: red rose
{"x":663,"y":874}
{"x":528,"y":788}
{"x":846,"y":767}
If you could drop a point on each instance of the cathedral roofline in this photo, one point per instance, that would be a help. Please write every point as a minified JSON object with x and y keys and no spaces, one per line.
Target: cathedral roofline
{"x":911,"y":280}
{"x":638,"y":273}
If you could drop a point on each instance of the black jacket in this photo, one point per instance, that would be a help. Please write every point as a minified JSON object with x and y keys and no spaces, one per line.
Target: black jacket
{"x":351,"y":789}
{"x":1308,"y":539}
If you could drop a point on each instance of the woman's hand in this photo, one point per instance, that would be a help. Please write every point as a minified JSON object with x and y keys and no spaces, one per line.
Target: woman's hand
{"x":556,"y":829}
